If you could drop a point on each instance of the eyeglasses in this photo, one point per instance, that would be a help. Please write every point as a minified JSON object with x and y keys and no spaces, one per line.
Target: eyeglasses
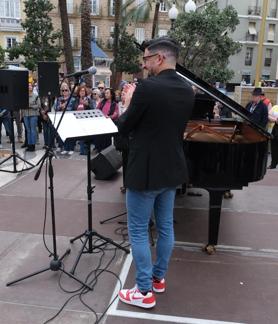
{"x":145,"y":58}
{"x":95,"y":94}
{"x":64,"y":90}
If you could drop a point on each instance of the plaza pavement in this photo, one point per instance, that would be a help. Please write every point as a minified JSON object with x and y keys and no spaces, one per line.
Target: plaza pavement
{"x":236,"y":285}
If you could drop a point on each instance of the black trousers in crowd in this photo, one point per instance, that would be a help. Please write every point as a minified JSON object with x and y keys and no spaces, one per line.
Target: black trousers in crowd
{"x":274,"y":147}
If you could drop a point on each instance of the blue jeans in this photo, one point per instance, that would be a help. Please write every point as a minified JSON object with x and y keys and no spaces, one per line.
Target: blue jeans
{"x":140,"y":205}
{"x":6,"y":121}
{"x":30,"y":123}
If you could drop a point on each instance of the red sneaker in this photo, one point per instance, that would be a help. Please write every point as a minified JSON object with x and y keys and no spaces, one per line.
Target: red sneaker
{"x":159,"y":286}
{"x":135,"y":297}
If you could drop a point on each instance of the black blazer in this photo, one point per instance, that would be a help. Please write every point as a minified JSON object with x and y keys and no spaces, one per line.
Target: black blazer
{"x":260,"y":114}
{"x":155,"y":121}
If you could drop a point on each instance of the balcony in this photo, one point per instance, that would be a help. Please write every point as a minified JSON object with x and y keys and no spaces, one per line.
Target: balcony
{"x":254,"y":11}
{"x":251,"y":38}
{"x":267,"y":61}
{"x":10,"y":25}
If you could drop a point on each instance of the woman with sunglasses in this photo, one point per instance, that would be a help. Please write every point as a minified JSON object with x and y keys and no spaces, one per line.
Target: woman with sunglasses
{"x":96,"y":98}
{"x":60,"y":105}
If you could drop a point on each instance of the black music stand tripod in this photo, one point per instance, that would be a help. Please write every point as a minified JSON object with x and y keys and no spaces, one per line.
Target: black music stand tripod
{"x":14,"y":154}
{"x":56,"y":262}
{"x":90,"y":233}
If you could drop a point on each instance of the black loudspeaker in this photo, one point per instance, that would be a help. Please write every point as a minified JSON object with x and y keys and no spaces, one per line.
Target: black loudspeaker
{"x":48,"y":79}
{"x":14,"y":93}
{"x":106,"y":163}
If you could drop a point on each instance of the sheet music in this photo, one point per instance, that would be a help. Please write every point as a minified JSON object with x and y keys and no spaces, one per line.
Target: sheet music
{"x":76,"y":124}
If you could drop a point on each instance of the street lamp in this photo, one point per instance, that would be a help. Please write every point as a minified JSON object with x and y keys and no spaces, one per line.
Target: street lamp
{"x":173,"y":14}
{"x":190,"y":6}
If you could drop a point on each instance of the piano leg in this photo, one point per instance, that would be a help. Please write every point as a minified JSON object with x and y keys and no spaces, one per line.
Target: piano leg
{"x":215,"y":202}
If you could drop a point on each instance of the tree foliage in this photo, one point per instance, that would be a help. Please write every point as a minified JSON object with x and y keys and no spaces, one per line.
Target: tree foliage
{"x":39,"y":43}
{"x":127,"y":59}
{"x":2,"y":56}
{"x":205,"y":42}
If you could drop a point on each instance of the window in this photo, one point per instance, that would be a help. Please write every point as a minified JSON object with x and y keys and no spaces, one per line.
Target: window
{"x":271,"y":33}
{"x":77,"y":63}
{"x":71,"y":33}
{"x":10,"y":9}
{"x":140,"y":34}
{"x":162,"y":32}
{"x":249,"y":55}
{"x":11,"y":41}
{"x":95,"y":7}
{"x":163,"y":7}
{"x":252,"y":28}
{"x":268,"y":57}
{"x":70,"y":6}
{"x":111,"y":7}
{"x":94,"y":30}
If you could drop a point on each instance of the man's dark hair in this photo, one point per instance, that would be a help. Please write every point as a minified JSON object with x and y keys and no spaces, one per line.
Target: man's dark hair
{"x":163,"y":43}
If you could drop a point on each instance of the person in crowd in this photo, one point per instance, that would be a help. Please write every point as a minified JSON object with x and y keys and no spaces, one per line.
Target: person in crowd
{"x":101,"y":88}
{"x":273,"y":118}
{"x":60,"y":105}
{"x":30,"y":117}
{"x":48,"y":129}
{"x":5,"y":119}
{"x":95,"y":97}
{"x":258,"y":110}
{"x":121,"y":142}
{"x":83,"y":102}
{"x":158,"y":109}
{"x":110,"y":108}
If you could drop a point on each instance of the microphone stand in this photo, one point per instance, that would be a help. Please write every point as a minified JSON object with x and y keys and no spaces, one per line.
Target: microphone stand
{"x":56,"y":262}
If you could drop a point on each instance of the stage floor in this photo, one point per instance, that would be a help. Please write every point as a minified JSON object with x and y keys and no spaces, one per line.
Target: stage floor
{"x":236,"y":285}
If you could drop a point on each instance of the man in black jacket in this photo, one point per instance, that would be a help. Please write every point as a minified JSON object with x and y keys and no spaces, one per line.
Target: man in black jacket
{"x":158,"y":109}
{"x":258,"y":109}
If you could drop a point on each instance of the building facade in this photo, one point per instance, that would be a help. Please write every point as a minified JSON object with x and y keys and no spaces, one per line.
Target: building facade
{"x":102,"y":27}
{"x":247,"y":33}
{"x":11,"y":16}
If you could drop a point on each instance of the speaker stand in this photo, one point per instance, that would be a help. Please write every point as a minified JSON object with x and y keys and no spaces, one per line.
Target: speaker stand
{"x":14,"y":156}
{"x":90,"y":233}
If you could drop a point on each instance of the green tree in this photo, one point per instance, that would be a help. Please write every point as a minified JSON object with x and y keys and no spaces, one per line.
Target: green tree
{"x":2,"y":56}
{"x":128,"y":55}
{"x":205,"y":42}
{"x":67,"y":48}
{"x":86,"y":51}
{"x":40,"y":41}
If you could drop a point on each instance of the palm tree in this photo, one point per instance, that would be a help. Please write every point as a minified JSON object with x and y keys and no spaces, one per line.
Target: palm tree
{"x":142,"y":11}
{"x":67,"y":48}
{"x":86,"y":51}
{"x":115,"y":80}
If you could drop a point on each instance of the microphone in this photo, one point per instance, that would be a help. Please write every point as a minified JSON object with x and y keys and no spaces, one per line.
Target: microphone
{"x":90,"y":70}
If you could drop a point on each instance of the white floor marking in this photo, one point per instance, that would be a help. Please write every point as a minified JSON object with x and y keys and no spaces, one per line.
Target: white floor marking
{"x":113,"y":311}
{"x":166,"y":318}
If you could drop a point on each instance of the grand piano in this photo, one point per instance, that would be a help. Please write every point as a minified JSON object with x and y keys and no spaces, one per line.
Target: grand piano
{"x":223,"y":154}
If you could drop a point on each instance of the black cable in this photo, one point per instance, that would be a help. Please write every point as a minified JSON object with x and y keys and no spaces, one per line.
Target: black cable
{"x":82,"y":291}
{"x":45,"y":209}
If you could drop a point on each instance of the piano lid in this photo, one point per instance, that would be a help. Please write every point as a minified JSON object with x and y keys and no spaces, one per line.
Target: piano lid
{"x":219,"y":96}
{"x":214,"y":93}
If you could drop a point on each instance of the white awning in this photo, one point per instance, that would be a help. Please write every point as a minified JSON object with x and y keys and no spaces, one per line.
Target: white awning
{"x":252,"y":30}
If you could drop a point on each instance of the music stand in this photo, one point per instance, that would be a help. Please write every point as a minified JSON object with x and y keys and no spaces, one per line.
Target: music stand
{"x":83,"y":125}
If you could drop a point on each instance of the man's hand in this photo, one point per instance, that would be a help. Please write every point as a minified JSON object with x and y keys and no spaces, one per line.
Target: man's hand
{"x":129,"y":90}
